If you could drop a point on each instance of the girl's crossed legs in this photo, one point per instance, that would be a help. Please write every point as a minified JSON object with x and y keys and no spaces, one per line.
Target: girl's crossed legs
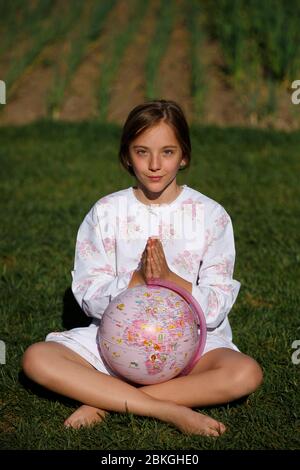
{"x":220,"y":376}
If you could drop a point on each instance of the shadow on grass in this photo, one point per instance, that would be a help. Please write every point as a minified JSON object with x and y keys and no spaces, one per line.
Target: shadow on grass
{"x":232,"y":404}
{"x":73,"y":316}
{"x":43,"y":392}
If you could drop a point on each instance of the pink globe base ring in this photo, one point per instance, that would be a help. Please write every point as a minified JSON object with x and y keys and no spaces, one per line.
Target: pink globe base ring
{"x":196,"y":308}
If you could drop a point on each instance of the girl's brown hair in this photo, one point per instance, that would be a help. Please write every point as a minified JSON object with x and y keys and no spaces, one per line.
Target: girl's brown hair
{"x":147,"y":115}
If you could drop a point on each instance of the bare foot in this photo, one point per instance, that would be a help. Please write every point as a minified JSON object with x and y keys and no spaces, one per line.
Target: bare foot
{"x":85,"y":416}
{"x":193,"y":422}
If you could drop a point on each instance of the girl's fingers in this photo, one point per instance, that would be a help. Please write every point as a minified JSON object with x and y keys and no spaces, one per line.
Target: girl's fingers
{"x":157,"y":245}
{"x":156,"y":257}
{"x":149,"y":270}
{"x":155,"y":261}
{"x":161,"y":251}
{"x":158,"y":251}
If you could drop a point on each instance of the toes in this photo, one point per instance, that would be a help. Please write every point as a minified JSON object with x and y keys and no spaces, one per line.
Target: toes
{"x":214,"y":427}
{"x":85,"y":423}
{"x":217,"y":426}
{"x":222,"y":428}
{"x":212,"y":432}
{"x":72,"y":424}
{"x":217,"y":429}
{"x":69,"y":422}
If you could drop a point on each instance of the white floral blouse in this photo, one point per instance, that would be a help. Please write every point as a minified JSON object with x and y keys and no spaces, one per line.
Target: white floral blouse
{"x":197,"y":237}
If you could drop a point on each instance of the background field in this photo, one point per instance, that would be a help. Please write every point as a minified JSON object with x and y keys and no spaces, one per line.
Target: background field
{"x":73,"y":71}
{"x":229,"y":62}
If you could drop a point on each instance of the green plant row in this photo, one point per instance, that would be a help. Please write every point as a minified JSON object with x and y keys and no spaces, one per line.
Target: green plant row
{"x":157,"y":48}
{"x":43,"y":34}
{"x":109,"y":68}
{"x":254,"y":33}
{"x":86,"y":34}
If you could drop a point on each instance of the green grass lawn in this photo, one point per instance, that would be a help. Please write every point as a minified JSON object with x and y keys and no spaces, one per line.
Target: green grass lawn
{"x":51,"y":174}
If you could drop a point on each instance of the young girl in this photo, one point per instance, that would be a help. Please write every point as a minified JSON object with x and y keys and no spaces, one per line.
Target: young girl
{"x":127,"y":238}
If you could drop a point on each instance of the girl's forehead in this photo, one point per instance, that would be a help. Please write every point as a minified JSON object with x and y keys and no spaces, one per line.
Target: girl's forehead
{"x":161,"y":131}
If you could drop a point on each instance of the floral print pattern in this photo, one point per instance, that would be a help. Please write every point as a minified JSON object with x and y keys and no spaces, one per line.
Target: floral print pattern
{"x":86,"y":249}
{"x":110,"y":243}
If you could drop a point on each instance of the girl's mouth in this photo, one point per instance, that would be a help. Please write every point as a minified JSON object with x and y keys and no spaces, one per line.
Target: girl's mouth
{"x":155,"y":178}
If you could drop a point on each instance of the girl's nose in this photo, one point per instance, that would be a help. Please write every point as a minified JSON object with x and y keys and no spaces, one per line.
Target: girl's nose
{"x":154,"y":163}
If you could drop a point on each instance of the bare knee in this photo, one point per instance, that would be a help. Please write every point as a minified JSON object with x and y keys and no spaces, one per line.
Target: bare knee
{"x":33,"y":360}
{"x":41,"y":361}
{"x":247,"y":378}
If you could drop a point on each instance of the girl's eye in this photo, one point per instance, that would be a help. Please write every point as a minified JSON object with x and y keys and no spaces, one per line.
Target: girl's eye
{"x":168,"y":152}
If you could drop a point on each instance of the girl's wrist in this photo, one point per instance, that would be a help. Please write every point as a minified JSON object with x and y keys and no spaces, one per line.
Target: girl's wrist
{"x":136,"y":279}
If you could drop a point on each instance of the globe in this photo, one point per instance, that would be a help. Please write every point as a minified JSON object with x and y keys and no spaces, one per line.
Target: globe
{"x":151,"y":333}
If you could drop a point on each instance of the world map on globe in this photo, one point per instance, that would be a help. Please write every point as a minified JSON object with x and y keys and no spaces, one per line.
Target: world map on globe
{"x":148,"y":334}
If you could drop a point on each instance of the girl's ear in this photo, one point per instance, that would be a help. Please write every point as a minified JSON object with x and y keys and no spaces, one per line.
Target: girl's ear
{"x":183,"y":162}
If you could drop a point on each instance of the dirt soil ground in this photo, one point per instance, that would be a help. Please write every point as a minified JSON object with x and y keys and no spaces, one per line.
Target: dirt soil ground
{"x":223,"y":105}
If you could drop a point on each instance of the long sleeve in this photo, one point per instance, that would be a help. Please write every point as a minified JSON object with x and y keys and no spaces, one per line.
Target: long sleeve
{"x":215,"y":289}
{"x":95,"y":282}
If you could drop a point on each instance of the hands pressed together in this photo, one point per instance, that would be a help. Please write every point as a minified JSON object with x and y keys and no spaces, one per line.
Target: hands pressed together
{"x":153,"y":261}
{"x":154,"y":266}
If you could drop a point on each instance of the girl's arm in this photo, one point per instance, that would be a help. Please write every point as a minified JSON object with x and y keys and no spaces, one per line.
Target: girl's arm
{"x":95,"y":282}
{"x":180,"y":281}
{"x":215,"y":288}
{"x":136,"y":280}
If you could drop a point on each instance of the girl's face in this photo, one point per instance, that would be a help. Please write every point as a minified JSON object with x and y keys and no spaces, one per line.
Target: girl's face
{"x":156,"y":152}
